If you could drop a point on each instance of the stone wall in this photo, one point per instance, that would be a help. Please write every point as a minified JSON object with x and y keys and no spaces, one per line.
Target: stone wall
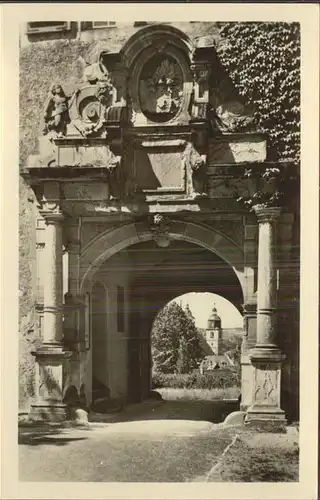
{"x":28,"y":333}
{"x":111,"y":361}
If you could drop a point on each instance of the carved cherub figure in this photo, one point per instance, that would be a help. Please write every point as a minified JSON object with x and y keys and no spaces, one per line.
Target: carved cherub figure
{"x":56,"y":111}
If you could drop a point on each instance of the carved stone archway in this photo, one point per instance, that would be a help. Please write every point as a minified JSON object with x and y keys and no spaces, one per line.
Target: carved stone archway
{"x":112,"y":241}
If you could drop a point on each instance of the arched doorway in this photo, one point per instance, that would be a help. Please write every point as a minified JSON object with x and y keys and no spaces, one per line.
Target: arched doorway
{"x":195,"y":346}
{"x":140,"y":278}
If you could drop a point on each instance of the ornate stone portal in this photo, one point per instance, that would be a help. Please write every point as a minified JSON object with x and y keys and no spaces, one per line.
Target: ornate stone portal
{"x":135,"y":140}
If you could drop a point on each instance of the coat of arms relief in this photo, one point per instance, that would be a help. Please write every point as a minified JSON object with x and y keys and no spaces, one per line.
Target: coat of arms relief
{"x":161,"y":88}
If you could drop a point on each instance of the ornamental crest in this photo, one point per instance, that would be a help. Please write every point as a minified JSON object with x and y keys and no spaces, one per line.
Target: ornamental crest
{"x":161,"y":88}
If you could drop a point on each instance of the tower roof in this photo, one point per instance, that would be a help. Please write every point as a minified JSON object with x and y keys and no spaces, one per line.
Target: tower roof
{"x":214,"y":314}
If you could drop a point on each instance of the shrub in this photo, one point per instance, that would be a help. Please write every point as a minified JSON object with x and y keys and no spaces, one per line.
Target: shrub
{"x":210,"y":380}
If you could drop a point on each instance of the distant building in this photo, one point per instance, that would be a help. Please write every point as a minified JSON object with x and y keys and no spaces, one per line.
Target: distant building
{"x":213,"y":331}
{"x":215,"y":362}
{"x":213,"y":336}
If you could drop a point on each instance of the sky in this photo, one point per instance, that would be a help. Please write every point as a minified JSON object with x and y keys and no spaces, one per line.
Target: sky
{"x":201,"y":305}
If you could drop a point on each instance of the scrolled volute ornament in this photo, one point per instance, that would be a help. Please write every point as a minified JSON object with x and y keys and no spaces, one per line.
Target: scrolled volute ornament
{"x":87,"y":112}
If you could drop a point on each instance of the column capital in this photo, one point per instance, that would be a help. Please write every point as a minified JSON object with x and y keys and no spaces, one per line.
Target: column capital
{"x":52,"y":216}
{"x":249,"y":308}
{"x":267,"y":214}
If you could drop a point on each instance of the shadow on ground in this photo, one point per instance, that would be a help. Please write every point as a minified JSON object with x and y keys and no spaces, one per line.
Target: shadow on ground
{"x":35,"y":434}
{"x":208,"y":411}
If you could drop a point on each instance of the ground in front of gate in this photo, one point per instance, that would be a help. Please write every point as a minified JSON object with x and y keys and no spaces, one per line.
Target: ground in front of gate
{"x":159,"y":441}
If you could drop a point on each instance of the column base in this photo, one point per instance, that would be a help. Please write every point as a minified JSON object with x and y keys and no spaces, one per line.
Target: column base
{"x":49,"y":406}
{"x":266,"y":419}
{"x":48,"y":412}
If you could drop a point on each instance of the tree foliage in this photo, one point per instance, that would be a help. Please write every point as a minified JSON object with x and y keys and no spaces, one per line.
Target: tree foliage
{"x":174,"y":340}
{"x":263,"y":62}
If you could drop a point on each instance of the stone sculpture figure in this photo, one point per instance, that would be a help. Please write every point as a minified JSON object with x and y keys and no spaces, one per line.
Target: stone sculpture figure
{"x":196,"y":163}
{"x":198,"y":175}
{"x":56,"y":116}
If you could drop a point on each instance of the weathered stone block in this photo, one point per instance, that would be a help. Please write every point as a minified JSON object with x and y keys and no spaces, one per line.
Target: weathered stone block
{"x":83,"y":155}
{"x":235,"y":149}
{"x":86,"y":191}
{"x":158,"y":170}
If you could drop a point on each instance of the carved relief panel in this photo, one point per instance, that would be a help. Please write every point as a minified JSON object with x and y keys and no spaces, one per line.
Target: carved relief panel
{"x":266,"y":388}
{"x":50,"y":381}
{"x":161,"y":86}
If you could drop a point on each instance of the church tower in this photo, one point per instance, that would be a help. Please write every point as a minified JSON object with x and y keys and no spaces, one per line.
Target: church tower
{"x":213,"y":331}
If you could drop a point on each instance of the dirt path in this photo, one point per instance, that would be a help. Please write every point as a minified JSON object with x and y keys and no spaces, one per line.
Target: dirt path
{"x":172,"y":441}
{"x":157,"y":442}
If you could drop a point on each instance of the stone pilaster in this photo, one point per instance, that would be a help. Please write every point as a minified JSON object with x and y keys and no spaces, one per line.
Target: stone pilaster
{"x":266,"y":356}
{"x":71,"y":325}
{"x":51,"y":354}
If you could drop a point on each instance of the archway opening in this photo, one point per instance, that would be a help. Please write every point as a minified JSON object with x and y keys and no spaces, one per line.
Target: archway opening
{"x":139,"y":280}
{"x":195,"y":348}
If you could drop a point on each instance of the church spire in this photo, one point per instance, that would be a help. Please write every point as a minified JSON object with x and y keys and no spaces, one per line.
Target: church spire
{"x":213,"y":331}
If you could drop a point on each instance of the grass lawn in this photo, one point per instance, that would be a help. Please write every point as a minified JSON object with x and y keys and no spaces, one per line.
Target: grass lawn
{"x":170,"y":394}
{"x":260,"y":458}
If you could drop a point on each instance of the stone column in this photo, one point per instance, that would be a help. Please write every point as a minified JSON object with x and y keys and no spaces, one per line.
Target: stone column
{"x":51,"y":354}
{"x":266,"y":356}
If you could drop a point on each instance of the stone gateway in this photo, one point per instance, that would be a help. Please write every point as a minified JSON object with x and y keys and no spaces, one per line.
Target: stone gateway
{"x":135,"y":183}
